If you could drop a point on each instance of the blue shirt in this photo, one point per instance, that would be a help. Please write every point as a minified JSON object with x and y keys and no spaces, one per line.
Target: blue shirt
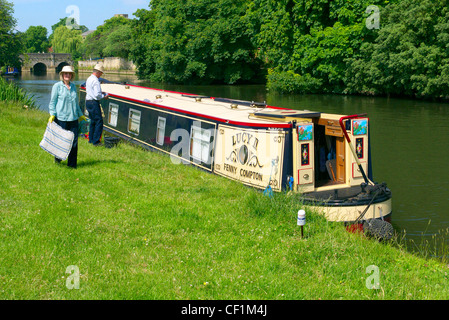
{"x":64,"y":102}
{"x":93,"y":89}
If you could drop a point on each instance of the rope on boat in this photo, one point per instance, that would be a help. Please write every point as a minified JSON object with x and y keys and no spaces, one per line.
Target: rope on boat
{"x":367,"y":207}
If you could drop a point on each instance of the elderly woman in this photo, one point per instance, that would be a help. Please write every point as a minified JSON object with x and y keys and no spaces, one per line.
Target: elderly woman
{"x":65,"y":110}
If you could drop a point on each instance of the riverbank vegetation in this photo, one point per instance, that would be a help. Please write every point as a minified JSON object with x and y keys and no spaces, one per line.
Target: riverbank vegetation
{"x":9,"y":92}
{"x":373,"y":47}
{"x":370,"y":47}
{"x":136,"y":226}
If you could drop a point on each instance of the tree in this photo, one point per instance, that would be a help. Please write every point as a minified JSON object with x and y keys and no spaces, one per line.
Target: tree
{"x":35,"y":39}
{"x":117,"y":43}
{"x":113,"y":38}
{"x":140,"y":49}
{"x":272,"y":23}
{"x":198,"y":41}
{"x":71,"y":23}
{"x":10,"y":41}
{"x":315,"y":42}
{"x":324,"y":52}
{"x":409,"y":56}
{"x":303,"y":46}
{"x":67,"y":40}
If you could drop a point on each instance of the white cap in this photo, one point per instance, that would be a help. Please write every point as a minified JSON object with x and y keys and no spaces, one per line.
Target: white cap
{"x":301,"y":217}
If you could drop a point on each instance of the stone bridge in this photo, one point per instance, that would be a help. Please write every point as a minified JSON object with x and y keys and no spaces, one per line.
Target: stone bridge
{"x":45,"y":62}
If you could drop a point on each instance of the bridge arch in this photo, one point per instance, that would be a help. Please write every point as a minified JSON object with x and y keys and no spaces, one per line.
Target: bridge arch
{"x":61,"y":65}
{"x":40,"y":68}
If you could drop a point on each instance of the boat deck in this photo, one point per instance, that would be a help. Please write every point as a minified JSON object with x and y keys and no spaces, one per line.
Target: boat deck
{"x":208,"y":106}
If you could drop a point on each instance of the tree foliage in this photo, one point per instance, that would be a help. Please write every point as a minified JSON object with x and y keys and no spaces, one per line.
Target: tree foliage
{"x":10,"y":41}
{"x":410,"y":55}
{"x":70,"y":23}
{"x":141,"y":46}
{"x":198,"y":41}
{"x":35,"y":39}
{"x":67,"y":40}
{"x":299,"y":45}
{"x":113,"y":38}
{"x":313,"y":43}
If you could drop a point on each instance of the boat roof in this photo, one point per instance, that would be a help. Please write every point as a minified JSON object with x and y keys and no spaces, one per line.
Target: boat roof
{"x":218,"y":109}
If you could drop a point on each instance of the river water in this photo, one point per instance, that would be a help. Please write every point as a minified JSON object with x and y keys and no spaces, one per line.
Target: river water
{"x":410,"y":144}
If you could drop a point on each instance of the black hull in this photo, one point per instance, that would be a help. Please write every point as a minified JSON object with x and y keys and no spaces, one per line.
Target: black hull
{"x":146,"y":137}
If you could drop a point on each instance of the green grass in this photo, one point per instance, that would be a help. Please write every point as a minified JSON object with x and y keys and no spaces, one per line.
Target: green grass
{"x":139,"y":227}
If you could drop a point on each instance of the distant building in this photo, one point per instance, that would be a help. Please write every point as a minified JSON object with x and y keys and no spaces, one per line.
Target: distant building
{"x":124,"y":15}
{"x":85,"y":34}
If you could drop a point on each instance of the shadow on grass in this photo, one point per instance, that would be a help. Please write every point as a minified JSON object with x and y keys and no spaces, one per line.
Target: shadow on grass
{"x":88,"y":163}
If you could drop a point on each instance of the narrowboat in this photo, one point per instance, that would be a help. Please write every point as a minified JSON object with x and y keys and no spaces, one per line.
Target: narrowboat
{"x":325,"y":157}
{"x":11,"y":72}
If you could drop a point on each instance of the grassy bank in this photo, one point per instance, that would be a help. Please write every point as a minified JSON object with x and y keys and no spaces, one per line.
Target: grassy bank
{"x":137,"y":226}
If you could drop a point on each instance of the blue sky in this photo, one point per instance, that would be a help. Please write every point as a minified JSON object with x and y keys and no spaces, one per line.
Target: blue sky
{"x":92,"y":13}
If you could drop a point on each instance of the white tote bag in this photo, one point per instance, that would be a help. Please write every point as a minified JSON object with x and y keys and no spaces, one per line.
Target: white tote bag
{"x":57,"y":141}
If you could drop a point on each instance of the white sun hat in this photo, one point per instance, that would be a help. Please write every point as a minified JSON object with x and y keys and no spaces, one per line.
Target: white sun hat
{"x":99,"y":67}
{"x":66,"y":69}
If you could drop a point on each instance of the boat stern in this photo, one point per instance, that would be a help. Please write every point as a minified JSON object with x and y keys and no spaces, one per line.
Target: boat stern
{"x":354,"y":204}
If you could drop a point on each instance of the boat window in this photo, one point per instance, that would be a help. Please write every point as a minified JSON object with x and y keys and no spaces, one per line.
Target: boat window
{"x":160,"y":133}
{"x":134,"y":121}
{"x":113,"y":114}
{"x":199,"y":144}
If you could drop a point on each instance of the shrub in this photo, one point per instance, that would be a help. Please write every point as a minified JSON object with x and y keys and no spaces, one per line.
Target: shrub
{"x":290,"y":82}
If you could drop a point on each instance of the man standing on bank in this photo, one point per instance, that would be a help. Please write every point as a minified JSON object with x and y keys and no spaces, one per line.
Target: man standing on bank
{"x":93,"y":97}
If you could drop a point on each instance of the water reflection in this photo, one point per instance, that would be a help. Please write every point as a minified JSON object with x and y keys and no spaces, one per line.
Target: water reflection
{"x":409,"y":142}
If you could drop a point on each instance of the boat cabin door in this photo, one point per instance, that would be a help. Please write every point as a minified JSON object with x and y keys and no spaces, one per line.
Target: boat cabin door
{"x":303,"y":157}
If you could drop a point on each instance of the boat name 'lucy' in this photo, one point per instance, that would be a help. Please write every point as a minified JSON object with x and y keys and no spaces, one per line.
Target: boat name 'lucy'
{"x":245,"y":138}
{"x":245,"y":154}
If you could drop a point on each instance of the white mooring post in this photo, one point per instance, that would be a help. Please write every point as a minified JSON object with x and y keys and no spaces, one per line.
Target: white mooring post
{"x":302,"y":221}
